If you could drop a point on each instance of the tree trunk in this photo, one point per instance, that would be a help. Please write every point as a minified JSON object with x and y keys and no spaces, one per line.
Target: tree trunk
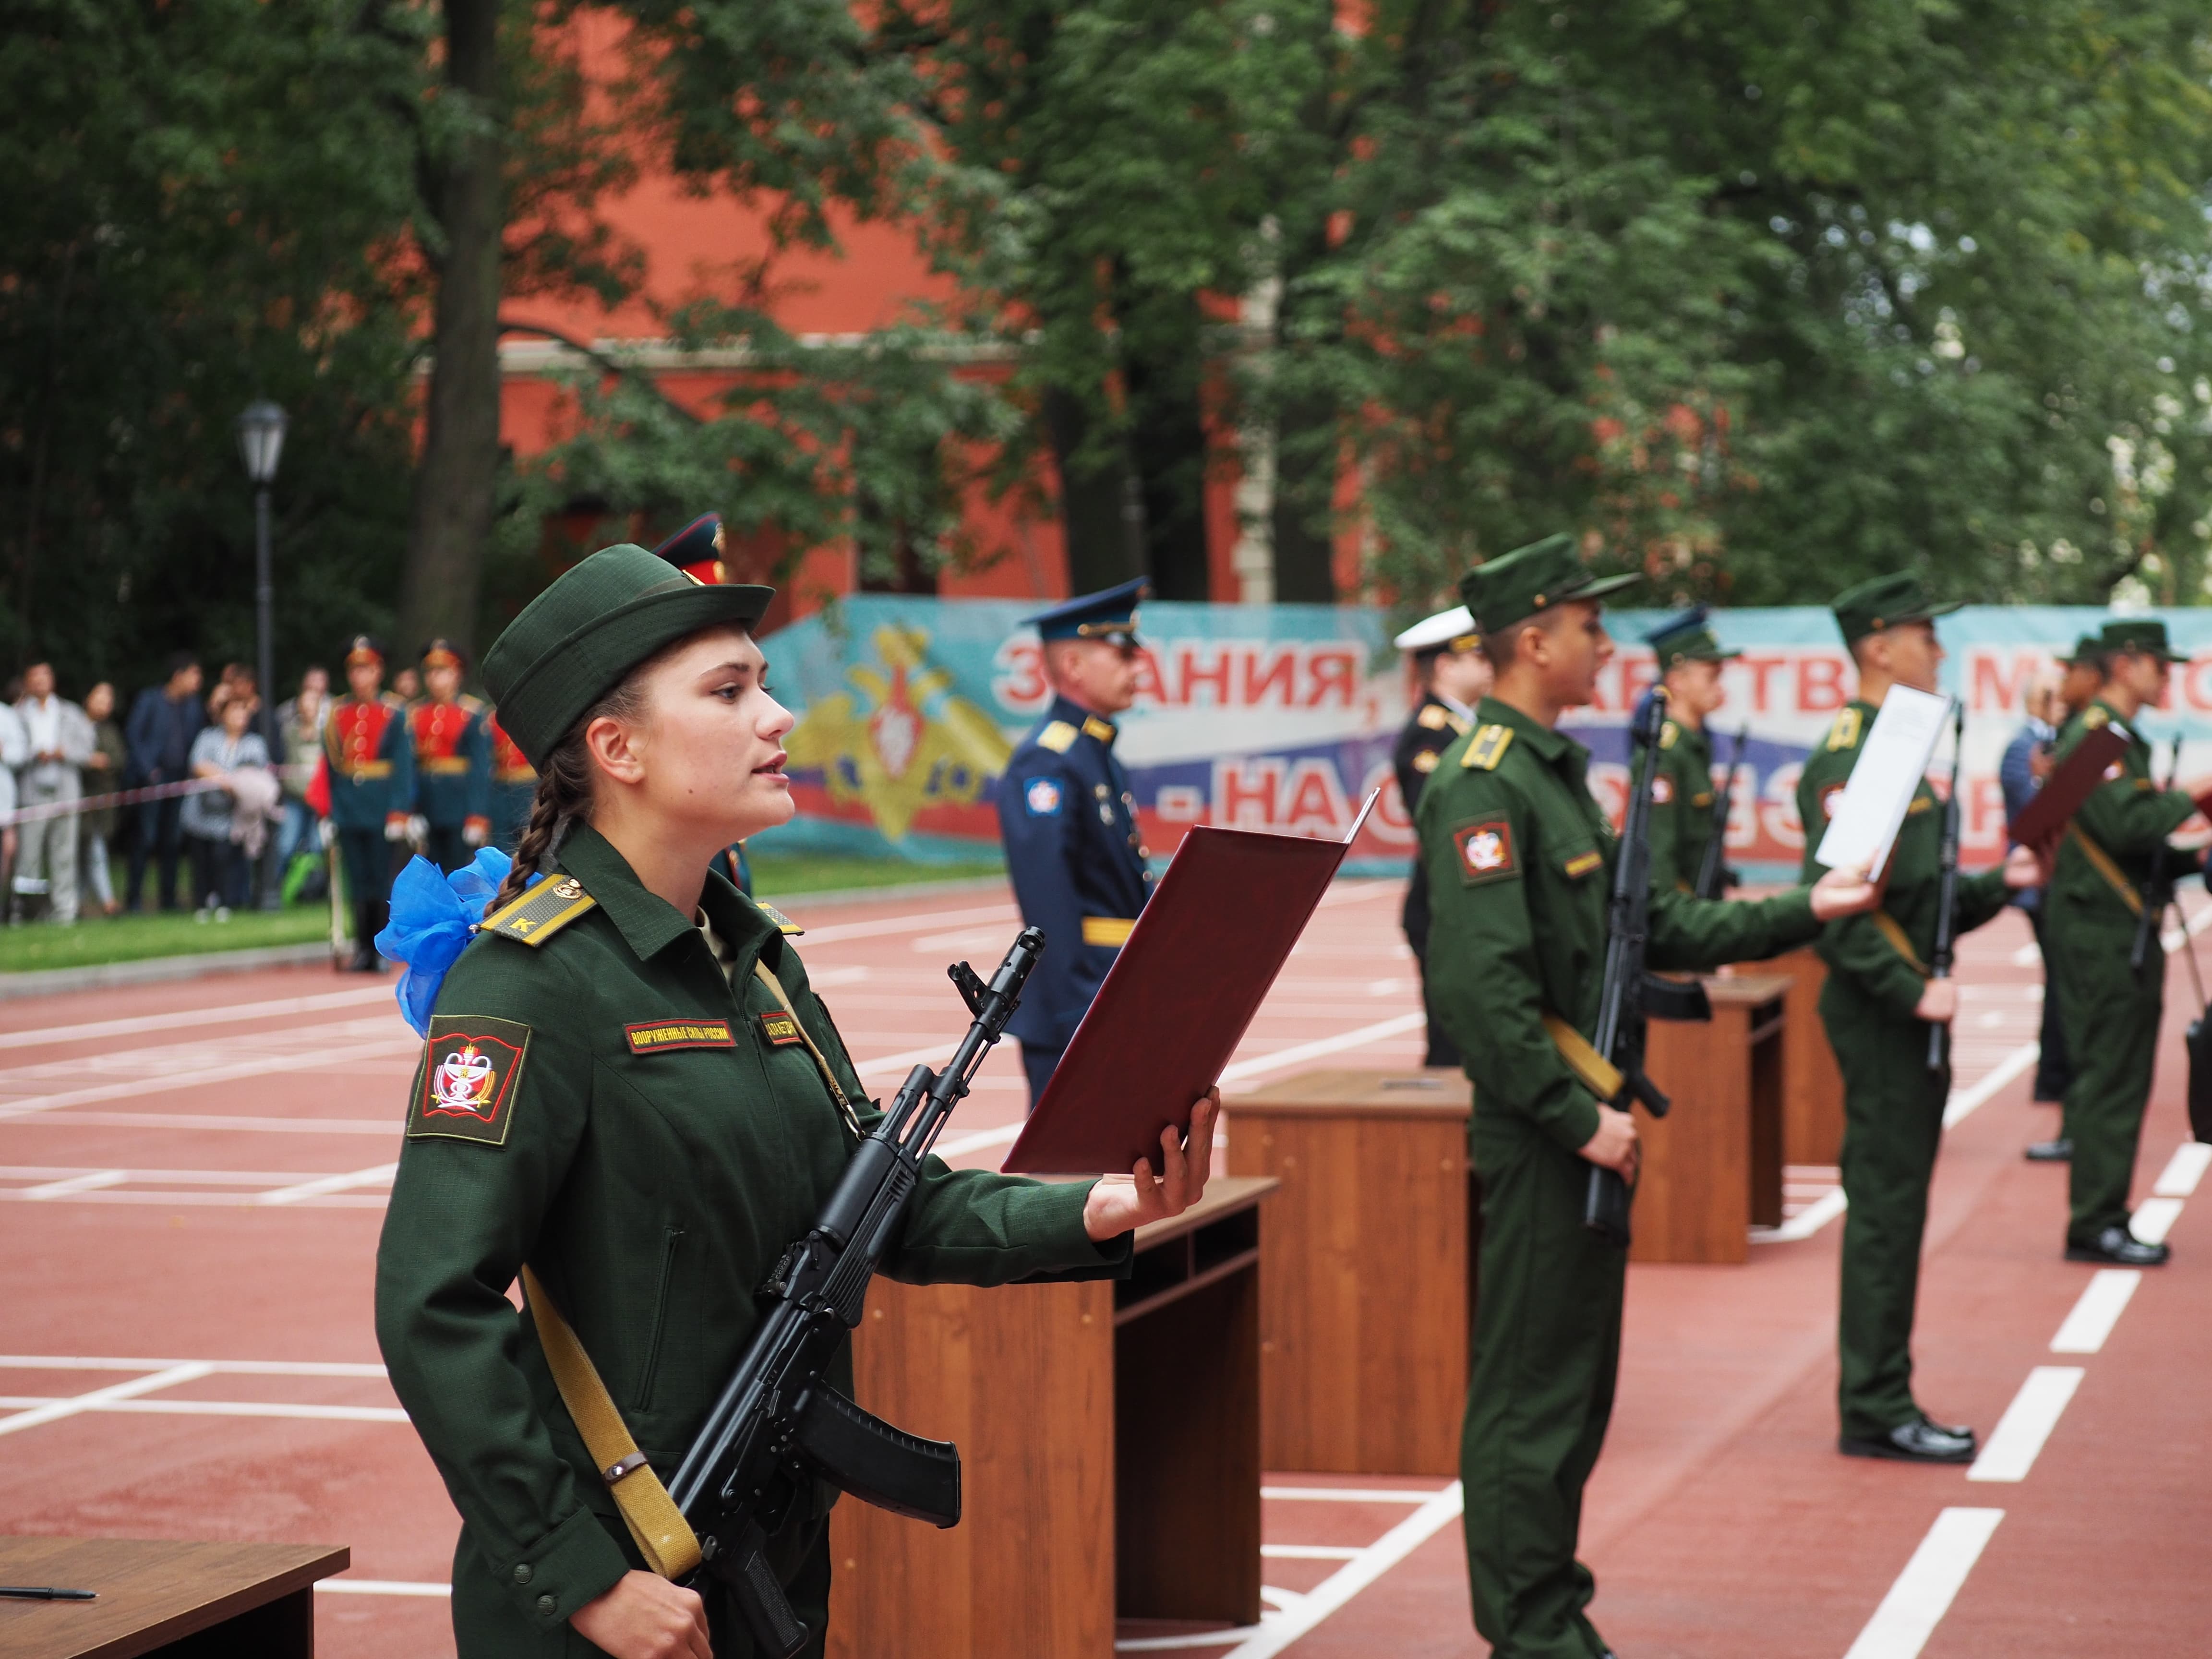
{"x":1166,"y":440}
{"x":1100,"y":509}
{"x":1306,"y":487}
{"x":455,"y":480}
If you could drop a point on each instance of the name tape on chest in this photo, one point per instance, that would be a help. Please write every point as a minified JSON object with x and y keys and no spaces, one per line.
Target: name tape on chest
{"x":658,"y":1035}
{"x":471,"y":1069}
{"x":781,"y":1029}
{"x":1583,"y":863}
{"x":1486,"y":851}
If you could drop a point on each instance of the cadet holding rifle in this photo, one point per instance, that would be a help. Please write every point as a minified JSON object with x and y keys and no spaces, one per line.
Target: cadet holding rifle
{"x":632,"y":1097}
{"x":1881,"y":1000}
{"x":1689,"y":817}
{"x":1520,"y":862}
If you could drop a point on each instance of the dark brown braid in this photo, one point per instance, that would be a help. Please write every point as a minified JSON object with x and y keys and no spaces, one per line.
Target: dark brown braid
{"x":564,"y":787}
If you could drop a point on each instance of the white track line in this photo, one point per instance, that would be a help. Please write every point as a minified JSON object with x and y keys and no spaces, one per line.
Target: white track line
{"x":90,"y":1181}
{"x":224,"y":1408}
{"x":1308,"y":1552}
{"x":2184,"y":1169}
{"x":1359,"y":1037}
{"x":290,"y":1126}
{"x":321,"y":1060}
{"x":189,"y":1371}
{"x":2154,"y":1220}
{"x":63,"y":1362}
{"x":2027,"y":1423}
{"x":1353,"y":1577}
{"x":2097,"y":1310}
{"x":327,"y":1184}
{"x":914,"y":924}
{"x":1921,"y":1596}
{"x":1806,"y":1222}
{"x":379,"y":1587}
{"x":1964,"y":1102}
{"x":1355,"y":1494}
{"x":191,"y":1019}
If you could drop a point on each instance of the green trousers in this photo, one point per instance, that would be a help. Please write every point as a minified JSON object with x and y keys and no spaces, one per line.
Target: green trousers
{"x":2112,"y":1016}
{"x":1893,"y":1124}
{"x":1547,"y":1352}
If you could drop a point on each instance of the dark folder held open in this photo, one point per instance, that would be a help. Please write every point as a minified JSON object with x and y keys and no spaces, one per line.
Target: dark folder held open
{"x":1174,"y":1004}
{"x":2044,"y":818}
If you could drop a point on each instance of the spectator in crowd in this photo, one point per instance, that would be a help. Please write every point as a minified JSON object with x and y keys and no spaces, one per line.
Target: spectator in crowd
{"x":103,"y":776}
{"x":15,"y":751}
{"x":221,"y":823}
{"x":300,"y":722}
{"x":61,"y":740}
{"x":236,"y":678}
{"x":164,"y":721}
{"x":2021,"y":773}
{"x":407,"y":685}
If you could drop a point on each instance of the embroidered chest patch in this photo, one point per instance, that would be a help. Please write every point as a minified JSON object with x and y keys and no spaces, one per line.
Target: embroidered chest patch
{"x":654,"y":1036}
{"x":1583,"y":863}
{"x":1486,"y":851}
{"x":472,"y":1067}
{"x":780,"y":1028}
{"x":1662,"y":789}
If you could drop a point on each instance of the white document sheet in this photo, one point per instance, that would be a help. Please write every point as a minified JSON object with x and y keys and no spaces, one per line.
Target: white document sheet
{"x":1892,"y":762}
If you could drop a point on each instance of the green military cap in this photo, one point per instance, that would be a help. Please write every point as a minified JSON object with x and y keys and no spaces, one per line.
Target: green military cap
{"x":2088,"y":649}
{"x":574,"y":642}
{"x":1886,"y":602}
{"x":2143,"y":634}
{"x":1529,"y":580}
{"x":1687,"y":637}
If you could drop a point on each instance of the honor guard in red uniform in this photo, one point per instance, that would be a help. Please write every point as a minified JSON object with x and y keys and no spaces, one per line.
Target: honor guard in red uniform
{"x":513,"y":782}
{"x":371,"y":773}
{"x":453,"y":761}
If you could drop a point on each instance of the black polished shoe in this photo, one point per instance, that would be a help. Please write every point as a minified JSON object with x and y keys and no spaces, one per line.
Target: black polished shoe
{"x":1918,"y":1442}
{"x":2060,"y":1151}
{"x":2121,"y":1249}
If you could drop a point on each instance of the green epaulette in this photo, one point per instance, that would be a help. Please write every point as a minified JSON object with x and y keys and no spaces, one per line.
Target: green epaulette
{"x":784,"y":924}
{"x":1845,"y":733}
{"x":1487,"y":749}
{"x":542,"y":912}
{"x":1668,"y":733}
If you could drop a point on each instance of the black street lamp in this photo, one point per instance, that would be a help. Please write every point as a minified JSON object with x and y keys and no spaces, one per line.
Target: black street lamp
{"x":260,"y":442}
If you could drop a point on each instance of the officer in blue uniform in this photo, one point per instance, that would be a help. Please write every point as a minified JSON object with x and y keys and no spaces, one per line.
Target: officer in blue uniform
{"x":1069,"y":821}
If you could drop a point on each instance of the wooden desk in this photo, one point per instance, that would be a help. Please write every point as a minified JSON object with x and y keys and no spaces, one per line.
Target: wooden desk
{"x":1812,"y":1084}
{"x":1367,"y":1301}
{"x":1712,"y":1166}
{"x":1109,"y":1436}
{"x":177,"y":1600}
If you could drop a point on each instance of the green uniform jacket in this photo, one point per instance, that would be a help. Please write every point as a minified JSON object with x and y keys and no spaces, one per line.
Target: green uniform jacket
{"x":602,"y":1106}
{"x":1867,"y":950}
{"x":1682,"y":807}
{"x":2117,"y":832}
{"x":1520,"y":862}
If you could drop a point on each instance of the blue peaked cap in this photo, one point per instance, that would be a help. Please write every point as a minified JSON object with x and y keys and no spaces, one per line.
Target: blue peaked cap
{"x":1111,"y":611}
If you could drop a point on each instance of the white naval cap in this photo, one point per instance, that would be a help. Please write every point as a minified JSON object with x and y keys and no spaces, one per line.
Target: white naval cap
{"x":1443,"y":629}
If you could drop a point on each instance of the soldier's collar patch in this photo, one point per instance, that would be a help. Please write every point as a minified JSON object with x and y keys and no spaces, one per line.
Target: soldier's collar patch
{"x":658,"y":1035}
{"x":780,"y":1028}
{"x":1057,"y":736}
{"x":472,"y":1068}
{"x":1104,"y":730}
{"x":1487,"y":748}
{"x":1583,"y":863}
{"x":542,"y":912}
{"x":1486,"y":851}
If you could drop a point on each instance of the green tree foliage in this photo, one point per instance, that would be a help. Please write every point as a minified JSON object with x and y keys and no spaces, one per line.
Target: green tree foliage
{"x":196,"y":206}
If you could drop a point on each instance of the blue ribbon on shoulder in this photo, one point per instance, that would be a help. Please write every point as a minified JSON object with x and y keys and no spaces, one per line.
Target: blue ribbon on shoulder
{"x":434,"y":916}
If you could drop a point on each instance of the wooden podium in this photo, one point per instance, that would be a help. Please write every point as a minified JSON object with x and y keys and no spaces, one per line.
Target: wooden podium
{"x":178,"y":1601}
{"x":1811,"y":1085}
{"x":1109,"y":1434}
{"x":1368,"y":1302}
{"x":1712,"y":1166}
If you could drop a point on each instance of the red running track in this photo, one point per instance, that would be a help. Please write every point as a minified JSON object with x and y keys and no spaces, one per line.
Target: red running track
{"x":191,"y":1179}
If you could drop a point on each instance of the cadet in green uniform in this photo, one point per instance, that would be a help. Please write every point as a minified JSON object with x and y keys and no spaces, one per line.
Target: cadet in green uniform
{"x":2094,"y":904}
{"x":1520,"y":858}
{"x":630,"y":1087}
{"x":1877,"y":1005}
{"x":1682,"y":789}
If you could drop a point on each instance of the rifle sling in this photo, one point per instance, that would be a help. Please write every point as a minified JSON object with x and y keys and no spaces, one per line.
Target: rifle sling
{"x":1597,"y":1074}
{"x":828,"y":1075}
{"x":1892,"y":930}
{"x":663,"y":1538}
{"x":2101,"y":862}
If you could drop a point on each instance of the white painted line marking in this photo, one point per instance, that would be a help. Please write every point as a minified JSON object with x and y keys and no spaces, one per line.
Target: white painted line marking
{"x":1002,"y":1136}
{"x":2172,"y":938}
{"x":1806,"y":1222}
{"x":189,"y":1371}
{"x":222,"y":1408}
{"x":1359,"y":1037}
{"x":1964,"y":1102}
{"x":371,"y":1176}
{"x":1308,"y":1552}
{"x":164,"y":1083}
{"x":82,"y":1183}
{"x":912,"y":924}
{"x":63,"y":1362}
{"x":2027,"y":1423}
{"x":2096,"y":1311}
{"x":379,"y":1587}
{"x":931,"y":1056}
{"x":2184,"y":1169}
{"x":1354,"y":1494}
{"x":1286,"y":1601}
{"x":290,"y":1126}
{"x":1354,"y":1576}
{"x":1205,"y":1639}
{"x":193,"y":1019}
{"x":2026,"y":956}
{"x":1921,"y":1596}
{"x":2154,"y":1220}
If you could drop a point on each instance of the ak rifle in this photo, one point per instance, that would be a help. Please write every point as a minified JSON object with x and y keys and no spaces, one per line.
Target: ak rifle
{"x":1947,"y":892}
{"x":1714,"y":876}
{"x":779,"y":1424}
{"x":1628,"y":995}
{"x":2158,"y":888}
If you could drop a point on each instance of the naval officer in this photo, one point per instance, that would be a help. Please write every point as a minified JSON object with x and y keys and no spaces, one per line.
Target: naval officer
{"x":1069,"y":821}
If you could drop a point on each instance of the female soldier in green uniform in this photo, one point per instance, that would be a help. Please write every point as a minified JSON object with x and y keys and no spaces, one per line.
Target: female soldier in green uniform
{"x":613,"y":1094}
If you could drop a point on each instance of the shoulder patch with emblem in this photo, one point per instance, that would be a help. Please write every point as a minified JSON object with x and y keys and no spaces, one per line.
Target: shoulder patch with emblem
{"x":1041,"y":797}
{"x":1057,"y":736}
{"x":1486,"y":851}
{"x":1845,"y":733}
{"x":1662,"y":789}
{"x":1426,"y":760}
{"x":542,"y":912}
{"x":654,"y":1036}
{"x":1829,"y":797}
{"x":472,"y":1067}
{"x":1668,"y":733}
{"x":1487,"y":749}
{"x":784,"y":924}
{"x":1433,"y":717}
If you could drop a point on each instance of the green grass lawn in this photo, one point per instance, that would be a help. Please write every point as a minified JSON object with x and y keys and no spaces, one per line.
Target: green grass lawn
{"x":133,"y":938}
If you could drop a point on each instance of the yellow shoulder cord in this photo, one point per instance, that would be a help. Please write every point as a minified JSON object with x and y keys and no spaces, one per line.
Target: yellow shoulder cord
{"x":663,"y":1538}
{"x":2101,"y":862}
{"x":1598,"y":1074}
{"x":1892,"y":931}
{"x":829,"y":1076}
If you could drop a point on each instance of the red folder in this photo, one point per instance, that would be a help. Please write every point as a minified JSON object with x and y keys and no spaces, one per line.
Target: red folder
{"x":1194,"y":970}
{"x":2044,"y":819}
